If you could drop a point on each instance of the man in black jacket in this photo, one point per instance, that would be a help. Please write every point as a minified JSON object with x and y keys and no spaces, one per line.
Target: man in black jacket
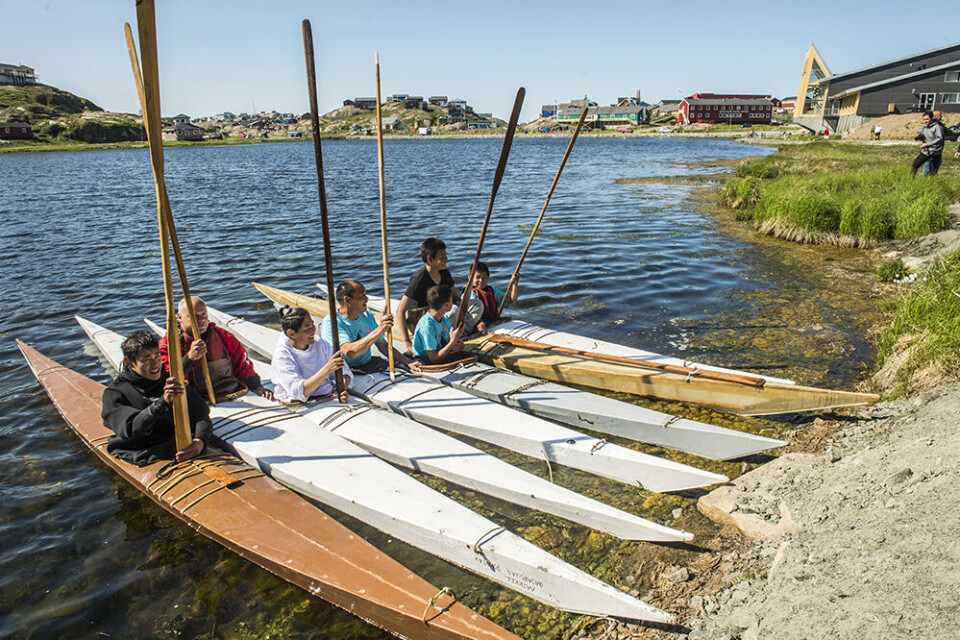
{"x":137,"y":407}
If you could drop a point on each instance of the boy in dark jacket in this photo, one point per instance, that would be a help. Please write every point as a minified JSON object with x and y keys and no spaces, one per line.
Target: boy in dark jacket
{"x":137,"y":407}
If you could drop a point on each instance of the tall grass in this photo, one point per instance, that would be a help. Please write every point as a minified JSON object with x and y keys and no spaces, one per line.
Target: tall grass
{"x":840,"y":193}
{"x":928,"y":312}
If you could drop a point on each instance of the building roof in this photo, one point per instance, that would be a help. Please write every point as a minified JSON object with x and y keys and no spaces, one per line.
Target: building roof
{"x":905,"y":76}
{"x":889,"y":62}
{"x":702,"y":101}
{"x":14,"y":124}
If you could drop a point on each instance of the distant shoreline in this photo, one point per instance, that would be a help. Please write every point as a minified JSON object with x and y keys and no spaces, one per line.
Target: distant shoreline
{"x":768,"y":137}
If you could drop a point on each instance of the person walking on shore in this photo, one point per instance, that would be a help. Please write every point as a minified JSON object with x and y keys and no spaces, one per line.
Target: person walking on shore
{"x":931,"y":148}
{"x":876,"y":132}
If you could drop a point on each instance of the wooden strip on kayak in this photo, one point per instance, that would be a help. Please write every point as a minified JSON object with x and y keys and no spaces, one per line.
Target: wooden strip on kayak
{"x":263,"y":522}
{"x":743,"y":399}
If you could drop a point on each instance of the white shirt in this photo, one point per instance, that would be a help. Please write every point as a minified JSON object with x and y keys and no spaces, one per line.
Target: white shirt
{"x":291,"y":366}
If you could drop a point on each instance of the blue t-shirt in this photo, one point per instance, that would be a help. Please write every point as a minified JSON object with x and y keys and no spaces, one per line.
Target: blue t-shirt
{"x":431,"y":335}
{"x":351,"y":331}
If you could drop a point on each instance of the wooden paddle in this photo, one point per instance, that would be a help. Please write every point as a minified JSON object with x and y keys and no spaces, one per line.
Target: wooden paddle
{"x":168,"y":215}
{"x":645,"y":364}
{"x":497,"y":177}
{"x":383,"y":223}
{"x":516,"y":272}
{"x":146,"y":23}
{"x":327,"y":254}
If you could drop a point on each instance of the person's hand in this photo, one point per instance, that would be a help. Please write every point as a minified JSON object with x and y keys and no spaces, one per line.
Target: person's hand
{"x":263,"y":392}
{"x":343,"y":397}
{"x":335,"y":363}
{"x":415,"y":365}
{"x":481,"y":327}
{"x":192,"y":451}
{"x":386,"y":324}
{"x":456,"y":339}
{"x":957,"y":154}
{"x":171,"y":389}
{"x":197,"y":350}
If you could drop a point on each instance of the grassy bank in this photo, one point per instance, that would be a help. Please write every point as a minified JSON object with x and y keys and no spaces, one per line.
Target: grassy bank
{"x":921,"y":345}
{"x":841,"y":193}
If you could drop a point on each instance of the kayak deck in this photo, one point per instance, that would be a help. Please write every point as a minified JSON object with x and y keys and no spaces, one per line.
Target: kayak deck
{"x":323,"y":466}
{"x":256,"y":518}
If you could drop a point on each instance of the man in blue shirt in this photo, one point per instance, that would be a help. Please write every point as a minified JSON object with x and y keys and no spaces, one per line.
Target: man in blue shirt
{"x":434,"y":341}
{"x":359,"y":331}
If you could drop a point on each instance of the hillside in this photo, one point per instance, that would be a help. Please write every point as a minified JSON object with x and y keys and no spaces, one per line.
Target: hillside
{"x":60,"y":116}
{"x":36,"y":103}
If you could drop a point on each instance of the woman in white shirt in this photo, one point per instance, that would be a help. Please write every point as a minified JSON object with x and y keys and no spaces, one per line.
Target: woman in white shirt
{"x":304,"y":367}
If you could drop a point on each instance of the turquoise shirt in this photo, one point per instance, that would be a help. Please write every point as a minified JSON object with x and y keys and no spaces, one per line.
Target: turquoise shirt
{"x":431,"y":335}
{"x":351,"y":331}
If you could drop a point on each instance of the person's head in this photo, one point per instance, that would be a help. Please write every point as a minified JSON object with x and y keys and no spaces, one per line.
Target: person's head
{"x":481,"y":276}
{"x":937,"y":115}
{"x":352,"y":298}
{"x":199,"y":310}
{"x":141,"y":354}
{"x":433,"y":251}
{"x":927,"y":117}
{"x":298,"y":326}
{"x":440,"y":298}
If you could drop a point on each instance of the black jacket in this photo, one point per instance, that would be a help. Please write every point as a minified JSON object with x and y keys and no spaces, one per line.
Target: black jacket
{"x":133,"y":408}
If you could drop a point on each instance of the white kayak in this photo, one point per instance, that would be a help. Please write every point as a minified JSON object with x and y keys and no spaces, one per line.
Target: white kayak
{"x":444,"y":407}
{"x":586,"y":410}
{"x":323,"y":466}
{"x":407,"y":443}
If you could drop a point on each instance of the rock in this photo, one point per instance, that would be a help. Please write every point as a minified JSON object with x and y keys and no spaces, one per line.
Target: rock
{"x":752,"y":633}
{"x":899,"y":476}
{"x":678,"y":576}
{"x":696,"y":603}
{"x":834,"y":454}
{"x":710,"y":605}
{"x":676,"y":513}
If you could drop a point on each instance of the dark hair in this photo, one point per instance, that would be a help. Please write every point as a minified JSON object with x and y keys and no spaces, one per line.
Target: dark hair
{"x":929,"y":114}
{"x":137,"y":342}
{"x":292,"y":318}
{"x":430,"y":247}
{"x":437,"y":296}
{"x":347,"y":288}
{"x":483,"y":268}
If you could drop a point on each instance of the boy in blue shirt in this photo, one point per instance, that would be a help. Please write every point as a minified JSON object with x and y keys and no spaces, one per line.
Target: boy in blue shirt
{"x":359,"y":331}
{"x":434,"y":340}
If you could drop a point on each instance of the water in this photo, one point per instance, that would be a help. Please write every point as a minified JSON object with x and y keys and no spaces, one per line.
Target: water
{"x":641,"y":263}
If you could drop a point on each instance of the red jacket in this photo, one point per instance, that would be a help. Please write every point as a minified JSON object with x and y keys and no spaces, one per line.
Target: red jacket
{"x":242,"y":367}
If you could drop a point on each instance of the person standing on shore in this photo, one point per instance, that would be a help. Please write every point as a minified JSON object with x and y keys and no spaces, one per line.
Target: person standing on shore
{"x":931,"y":149}
{"x":876,"y":132}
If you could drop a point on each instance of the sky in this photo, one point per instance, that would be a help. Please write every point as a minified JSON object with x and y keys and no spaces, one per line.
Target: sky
{"x":245,"y":56}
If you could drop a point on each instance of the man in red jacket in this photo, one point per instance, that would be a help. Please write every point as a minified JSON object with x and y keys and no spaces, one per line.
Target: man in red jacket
{"x":231,"y":371}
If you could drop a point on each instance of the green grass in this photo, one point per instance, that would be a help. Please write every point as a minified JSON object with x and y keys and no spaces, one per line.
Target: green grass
{"x":892,"y":270}
{"x":840,"y":193}
{"x":928,"y":314}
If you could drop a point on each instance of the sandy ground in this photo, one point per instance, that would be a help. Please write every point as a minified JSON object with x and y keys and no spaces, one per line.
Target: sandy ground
{"x":896,"y":127}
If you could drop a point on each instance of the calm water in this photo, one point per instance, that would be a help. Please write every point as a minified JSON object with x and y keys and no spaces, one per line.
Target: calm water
{"x":82,"y":555}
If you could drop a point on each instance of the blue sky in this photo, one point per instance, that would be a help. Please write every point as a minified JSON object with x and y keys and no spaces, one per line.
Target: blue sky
{"x":241,"y":55}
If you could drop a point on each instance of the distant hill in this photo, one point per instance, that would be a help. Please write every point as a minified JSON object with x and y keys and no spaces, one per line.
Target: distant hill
{"x":33,"y":104}
{"x":58,"y":115}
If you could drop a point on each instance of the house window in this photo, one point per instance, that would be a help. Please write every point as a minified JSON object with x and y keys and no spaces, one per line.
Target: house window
{"x":950,"y":98}
{"x":951,"y":76}
{"x":927,"y":101}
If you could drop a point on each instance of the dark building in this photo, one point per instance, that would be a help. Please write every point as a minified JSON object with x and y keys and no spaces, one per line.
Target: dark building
{"x":15,"y":131}
{"x":726,"y":109}
{"x":920,"y":82}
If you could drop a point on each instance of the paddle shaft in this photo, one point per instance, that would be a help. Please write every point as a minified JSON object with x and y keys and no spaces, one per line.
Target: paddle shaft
{"x":497,"y":177}
{"x":645,"y":364}
{"x":146,"y":24}
{"x":327,"y":254}
{"x":383,"y":223}
{"x":533,"y":233}
{"x":171,"y":227}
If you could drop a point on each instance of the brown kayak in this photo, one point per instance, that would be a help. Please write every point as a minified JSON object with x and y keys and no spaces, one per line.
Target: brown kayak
{"x":247,"y":512}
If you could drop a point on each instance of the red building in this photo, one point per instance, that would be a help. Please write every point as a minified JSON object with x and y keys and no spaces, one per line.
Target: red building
{"x":15,"y":131}
{"x":726,"y":109}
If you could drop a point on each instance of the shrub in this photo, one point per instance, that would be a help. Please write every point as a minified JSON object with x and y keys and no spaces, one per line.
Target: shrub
{"x":892,"y":270}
